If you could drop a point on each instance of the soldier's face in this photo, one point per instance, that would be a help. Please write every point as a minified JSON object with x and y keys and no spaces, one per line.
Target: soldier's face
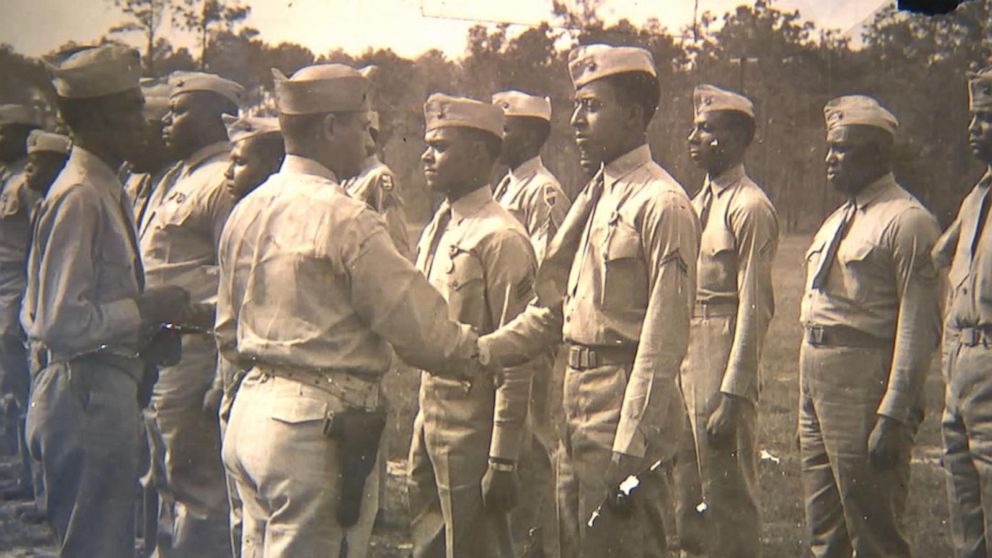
{"x":190,"y":117}
{"x":980,"y":135}
{"x":449,"y":160}
{"x":853,"y":157}
{"x":42,"y":168}
{"x":251,"y":164}
{"x":126,"y":120}
{"x":706,"y":140}
{"x":599,"y":120}
{"x":516,"y":133}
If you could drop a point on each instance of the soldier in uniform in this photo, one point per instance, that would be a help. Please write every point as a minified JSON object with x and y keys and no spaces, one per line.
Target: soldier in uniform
{"x":967,"y":338}
{"x":86,"y":311}
{"x":16,"y":203}
{"x":617,"y":283}
{"x":256,"y":154}
{"x":376,"y":186}
{"x":46,"y":156}
{"x":871,"y":318}
{"x":734,"y":303}
{"x":179,"y":233}
{"x":466,"y":442}
{"x":156,"y":158}
{"x":535,"y":197}
{"x":302,"y":441}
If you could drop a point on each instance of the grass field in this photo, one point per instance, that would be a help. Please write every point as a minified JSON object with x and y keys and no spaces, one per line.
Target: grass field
{"x":784,"y":534}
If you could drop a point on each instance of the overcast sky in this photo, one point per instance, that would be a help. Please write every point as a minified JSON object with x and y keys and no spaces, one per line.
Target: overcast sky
{"x":409,"y":27}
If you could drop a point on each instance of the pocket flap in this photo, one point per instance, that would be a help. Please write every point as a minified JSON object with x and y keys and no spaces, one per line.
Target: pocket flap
{"x":624,"y":243}
{"x":295,"y":410}
{"x":465,"y":269}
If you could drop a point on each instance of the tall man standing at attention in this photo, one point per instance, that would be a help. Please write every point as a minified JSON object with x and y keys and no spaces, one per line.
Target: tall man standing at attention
{"x":734,"y":303}
{"x":617,"y":284}
{"x":871,"y":319}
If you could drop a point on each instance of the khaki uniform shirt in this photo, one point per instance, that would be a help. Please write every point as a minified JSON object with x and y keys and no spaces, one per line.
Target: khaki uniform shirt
{"x":310,"y":279}
{"x":84,"y":270}
{"x":632,"y":284}
{"x":535,"y":197}
{"x":736,"y":251}
{"x":16,"y":204}
{"x":140,"y":186}
{"x":971,"y":273}
{"x":484,"y":267}
{"x":376,"y":186}
{"x":183,"y":222}
{"x":882,"y":283}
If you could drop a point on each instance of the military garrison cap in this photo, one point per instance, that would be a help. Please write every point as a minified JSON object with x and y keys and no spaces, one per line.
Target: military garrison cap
{"x":40,"y":140}
{"x":708,"y":98}
{"x":980,"y":90}
{"x":441,"y":111}
{"x":859,"y":110}
{"x":588,"y":63}
{"x":97,"y":72}
{"x":186,"y":82}
{"x":247,"y":127}
{"x":517,"y":103}
{"x":322,"y":88}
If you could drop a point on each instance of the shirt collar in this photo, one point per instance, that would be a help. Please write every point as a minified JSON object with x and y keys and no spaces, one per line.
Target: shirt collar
{"x":726,"y":179}
{"x":369,"y":163}
{"x":99,"y":174}
{"x":871,"y":192}
{"x":301,"y":165}
{"x":470,"y":203}
{"x":986,"y":180}
{"x":526,"y":169}
{"x":627,"y":163}
{"x":204,"y":153}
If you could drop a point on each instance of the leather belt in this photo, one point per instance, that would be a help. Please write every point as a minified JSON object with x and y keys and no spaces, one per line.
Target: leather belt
{"x":583,"y":357}
{"x":973,"y":336}
{"x":842,"y":336}
{"x":350,"y":388}
{"x":703,"y":309}
{"x":127,"y":362}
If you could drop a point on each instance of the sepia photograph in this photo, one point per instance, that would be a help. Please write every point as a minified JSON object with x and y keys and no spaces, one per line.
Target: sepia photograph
{"x":521,"y":279}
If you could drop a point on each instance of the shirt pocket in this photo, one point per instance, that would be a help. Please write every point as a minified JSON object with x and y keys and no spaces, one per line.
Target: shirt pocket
{"x":855,"y":259}
{"x":718,"y":266}
{"x":298,"y":410}
{"x":466,"y":288}
{"x":625,"y":280}
{"x":812,"y":259}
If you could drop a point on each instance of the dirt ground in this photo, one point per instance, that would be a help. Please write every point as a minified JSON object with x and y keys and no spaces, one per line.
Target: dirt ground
{"x":784,"y":534}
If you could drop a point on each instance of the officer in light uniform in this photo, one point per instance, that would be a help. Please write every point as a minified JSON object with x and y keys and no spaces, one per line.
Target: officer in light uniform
{"x":16,"y":203}
{"x":179,"y":233}
{"x":257,"y":152}
{"x":86,"y":312}
{"x":318,"y":351}
{"x":871,"y":317}
{"x":967,"y":335}
{"x":145,"y":174}
{"x":620,"y":274}
{"x":466,"y":442}
{"x":376,"y":186}
{"x":529,"y":190}
{"x":734,"y":303}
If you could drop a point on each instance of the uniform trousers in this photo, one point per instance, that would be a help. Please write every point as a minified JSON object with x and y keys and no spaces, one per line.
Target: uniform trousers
{"x":967,"y":433}
{"x":195,"y":479}
{"x":729,"y":473}
{"x":288,"y":473}
{"x":592,"y":402}
{"x":84,"y":430}
{"x":448,"y":457}
{"x":231,"y":377}
{"x":852,"y":507}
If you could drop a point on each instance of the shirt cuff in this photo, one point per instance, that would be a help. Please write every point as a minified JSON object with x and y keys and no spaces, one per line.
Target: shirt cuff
{"x":737,"y":383}
{"x":506,"y":442}
{"x":897,"y":404}
{"x":630,"y":440}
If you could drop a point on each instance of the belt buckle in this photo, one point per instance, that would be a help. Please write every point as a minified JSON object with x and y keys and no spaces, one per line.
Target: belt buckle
{"x":816,"y":335}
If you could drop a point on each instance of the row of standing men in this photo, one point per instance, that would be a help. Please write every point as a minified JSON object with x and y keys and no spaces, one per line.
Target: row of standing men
{"x":658,"y":304}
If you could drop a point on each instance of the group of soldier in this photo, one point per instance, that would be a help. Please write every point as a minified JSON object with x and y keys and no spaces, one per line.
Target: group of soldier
{"x":208,"y":302}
